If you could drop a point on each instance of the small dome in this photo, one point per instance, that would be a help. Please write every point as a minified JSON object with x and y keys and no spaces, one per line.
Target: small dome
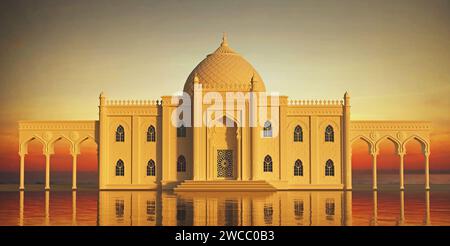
{"x":225,"y":70}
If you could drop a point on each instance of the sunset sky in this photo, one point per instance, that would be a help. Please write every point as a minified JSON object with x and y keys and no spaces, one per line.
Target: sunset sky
{"x":392,"y":56}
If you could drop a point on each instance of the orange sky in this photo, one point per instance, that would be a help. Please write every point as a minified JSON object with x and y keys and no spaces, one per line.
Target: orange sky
{"x":392,"y":56}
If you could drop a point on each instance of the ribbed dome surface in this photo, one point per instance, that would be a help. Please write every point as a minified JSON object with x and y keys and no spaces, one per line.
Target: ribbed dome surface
{"x":225,"y":70}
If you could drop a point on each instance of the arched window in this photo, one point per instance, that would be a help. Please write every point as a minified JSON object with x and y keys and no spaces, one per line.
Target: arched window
{"x":120,"y":168}
{"x":298,"y":168}
{"x":120,"y":134}
{"x":298,"y":134}
{"x":181,"y":131}
{"x":267,"y":130}
{"x":329,"y":134}
{"x":151,"y":134}
{"x":267,"y":163}
{"x":329,"y":168}
{"x":151,"y":168}
{"x":181,"y":164}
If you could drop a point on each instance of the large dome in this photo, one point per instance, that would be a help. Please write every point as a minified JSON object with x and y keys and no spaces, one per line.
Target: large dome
{"x":225,"y":70}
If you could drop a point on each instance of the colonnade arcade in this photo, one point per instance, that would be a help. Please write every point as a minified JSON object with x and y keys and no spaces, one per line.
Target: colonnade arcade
{"x":50,"y":132}
{"x":398,"y":132}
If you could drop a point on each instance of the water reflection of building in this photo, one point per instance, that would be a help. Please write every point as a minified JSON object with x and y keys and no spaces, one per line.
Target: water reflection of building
{"x":141,"y":208}
{"x":261,"y":208}
{"x":129,"y":208}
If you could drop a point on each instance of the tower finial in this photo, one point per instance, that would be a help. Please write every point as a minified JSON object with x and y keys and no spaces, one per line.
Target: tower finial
{"x":224,"y":40}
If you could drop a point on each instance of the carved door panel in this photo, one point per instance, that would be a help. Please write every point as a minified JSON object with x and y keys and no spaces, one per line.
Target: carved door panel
{"x":225,"y":163}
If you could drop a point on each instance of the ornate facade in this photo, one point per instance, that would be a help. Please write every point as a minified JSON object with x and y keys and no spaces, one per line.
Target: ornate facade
{"x":305,"y":144}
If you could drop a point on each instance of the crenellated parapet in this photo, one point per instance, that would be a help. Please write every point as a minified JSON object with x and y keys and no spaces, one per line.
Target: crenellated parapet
{"x":315,"y":107}
{"x":129,"y":107}
{"x":316,"y":102}
{"x":133,"y":102}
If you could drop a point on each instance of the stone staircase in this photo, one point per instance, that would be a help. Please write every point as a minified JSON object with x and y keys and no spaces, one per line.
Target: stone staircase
{"x":225,"y":185}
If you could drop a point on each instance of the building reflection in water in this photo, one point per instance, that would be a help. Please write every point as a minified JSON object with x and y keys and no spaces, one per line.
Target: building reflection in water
{"x":261,"y":208}
{"x":150,"y":208}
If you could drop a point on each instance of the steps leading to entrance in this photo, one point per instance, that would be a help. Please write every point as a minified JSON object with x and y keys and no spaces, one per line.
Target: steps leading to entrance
{"x":225,"y":185}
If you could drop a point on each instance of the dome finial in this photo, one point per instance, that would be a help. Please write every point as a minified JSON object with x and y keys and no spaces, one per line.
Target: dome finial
{"x":253,"y":82}
{"x":224,"y":40}
{"x":196,"y":79}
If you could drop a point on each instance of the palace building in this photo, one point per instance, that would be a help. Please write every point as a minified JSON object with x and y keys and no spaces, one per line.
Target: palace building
{"x":296,"y":145}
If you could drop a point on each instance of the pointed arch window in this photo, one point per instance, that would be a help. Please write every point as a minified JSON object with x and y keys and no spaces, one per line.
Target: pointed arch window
{"x":298,"y":134}
{"x":268,"y":164}
{"x":151,"y":168}
{"x":329,"y":134}
{"x":181,"y":131}
{"x":329,"y":168}
{"x":151,"y":134}
{"x":120,"y":134}
{"x":298,"y":168}
{"x":120,"y":168}
{"x":181,"y":164}
{"x":267,"y":130}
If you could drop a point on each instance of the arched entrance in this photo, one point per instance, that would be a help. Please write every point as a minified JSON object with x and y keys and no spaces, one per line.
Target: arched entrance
{"x":224,"y":154}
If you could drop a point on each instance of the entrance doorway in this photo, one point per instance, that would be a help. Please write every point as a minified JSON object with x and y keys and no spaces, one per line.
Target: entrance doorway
{"x":225,"y":164}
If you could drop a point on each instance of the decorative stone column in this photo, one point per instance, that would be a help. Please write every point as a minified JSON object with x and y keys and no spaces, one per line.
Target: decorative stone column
{"x":253,"y":123}
{"x":198,"y":166}
{"x":427,"y":170}
{"x":103,"y":172}
{"x":374,"y":154}
{"x":74,"y":171}
{"x":47,"y":171}
{"x":169,"y":171}
{"x":402,"y":182}
{"x":22,"y":172}
{"x":347,"y":144}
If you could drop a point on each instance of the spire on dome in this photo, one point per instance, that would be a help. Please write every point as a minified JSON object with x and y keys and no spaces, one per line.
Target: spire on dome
{"x":196,"y":79}
{"x":253,"y":82}
{"x":224,"y":40}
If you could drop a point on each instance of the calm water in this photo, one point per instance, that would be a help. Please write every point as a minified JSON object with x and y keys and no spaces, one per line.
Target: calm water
{"x":415,"y":207}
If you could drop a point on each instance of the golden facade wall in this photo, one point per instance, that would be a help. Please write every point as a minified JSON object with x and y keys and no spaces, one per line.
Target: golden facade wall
{"x":134,"y":151}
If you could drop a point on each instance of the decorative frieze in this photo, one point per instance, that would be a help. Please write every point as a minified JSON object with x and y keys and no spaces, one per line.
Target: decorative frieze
{"x":390,"y":125}
{"x":132,"y":110}
{"x":57,"y":125}
{"x":315,"y":102}
{"x":300,"y":111}
{"x":133,"y":102}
